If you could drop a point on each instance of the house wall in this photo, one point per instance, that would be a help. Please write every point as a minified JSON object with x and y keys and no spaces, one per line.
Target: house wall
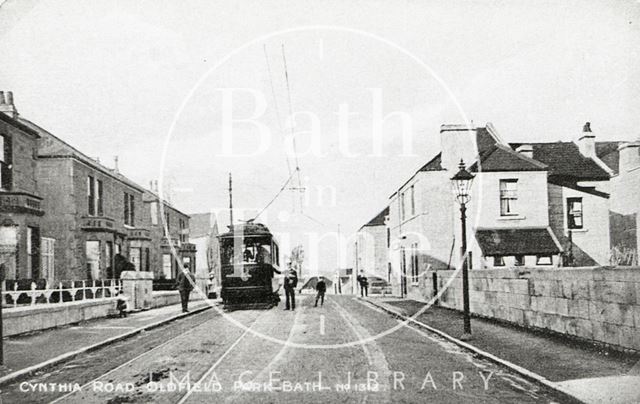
{"x":56,"y":185}
{"x":595,"y":304}
{"x":160,"y":243}
{"x":23,"y":179}
{"x":625,"y":207}
{"x":23,"y":163}
{"x":483,"y":210}
{"x":372,"y":251}
{"x":63,"y":183}
{"x":591,"y":244}
{"x":432,"y":227}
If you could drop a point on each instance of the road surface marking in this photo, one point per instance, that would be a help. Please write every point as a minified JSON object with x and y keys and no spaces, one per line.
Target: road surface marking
{"x":321,"y":324}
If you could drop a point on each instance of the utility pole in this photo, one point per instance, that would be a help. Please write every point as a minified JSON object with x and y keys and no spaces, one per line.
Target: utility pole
{"x":230,"y":202}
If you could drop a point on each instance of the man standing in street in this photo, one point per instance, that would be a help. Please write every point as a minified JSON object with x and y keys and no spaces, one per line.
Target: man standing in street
{"x":321,"y":288}
{"x":364,"y":284}
{"x":290,"y":283}
{"x":185,"y":282}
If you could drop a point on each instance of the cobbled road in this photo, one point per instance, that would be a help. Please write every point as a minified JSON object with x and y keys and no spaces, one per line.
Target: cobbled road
{"x":346,"y":351}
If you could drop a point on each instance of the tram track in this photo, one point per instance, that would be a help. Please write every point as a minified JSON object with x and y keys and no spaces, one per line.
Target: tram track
{"x":137,"y":357}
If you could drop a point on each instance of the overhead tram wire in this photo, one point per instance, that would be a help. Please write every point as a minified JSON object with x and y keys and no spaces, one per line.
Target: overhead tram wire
{"x":275,"y":101}
{"x":298,"y":186}
{"x":284,"y":186}
{"x":278,"y":118}
{"x":293,"y":138}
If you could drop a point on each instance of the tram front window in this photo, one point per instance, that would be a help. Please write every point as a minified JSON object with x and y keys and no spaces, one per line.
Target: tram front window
{"x":250,"y":252}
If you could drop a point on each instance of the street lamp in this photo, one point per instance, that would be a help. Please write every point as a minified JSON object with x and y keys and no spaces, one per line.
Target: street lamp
{"x":461,"y":183}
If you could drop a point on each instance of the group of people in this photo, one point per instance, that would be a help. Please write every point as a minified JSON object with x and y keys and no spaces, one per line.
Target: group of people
{"x":290,"y":283}
{"x":185,"y":282}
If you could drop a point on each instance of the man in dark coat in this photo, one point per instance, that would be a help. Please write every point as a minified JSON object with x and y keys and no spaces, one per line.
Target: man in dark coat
{"x":290,"y":283}
{"x":364,"y":284}
{"x":321,"y":288}
{"x":185,"y":283}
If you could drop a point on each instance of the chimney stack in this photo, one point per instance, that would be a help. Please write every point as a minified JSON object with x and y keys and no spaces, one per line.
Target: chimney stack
{"x":629,"y":156}
{"x":587,"y":141}
{"x":6,"y":104}
{"x":525,"y":150}
{"x":115,"y":164}
{"x":457,"y":142}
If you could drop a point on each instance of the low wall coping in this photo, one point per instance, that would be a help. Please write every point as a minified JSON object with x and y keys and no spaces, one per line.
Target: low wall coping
{"x":53,"y":307}
{"x":136,"y":275}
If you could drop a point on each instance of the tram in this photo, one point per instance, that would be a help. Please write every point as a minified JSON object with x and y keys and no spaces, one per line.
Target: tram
{"x":249,"y":260}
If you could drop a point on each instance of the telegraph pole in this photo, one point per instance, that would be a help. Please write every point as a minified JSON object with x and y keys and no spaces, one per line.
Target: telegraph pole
{"x":230,"y":201}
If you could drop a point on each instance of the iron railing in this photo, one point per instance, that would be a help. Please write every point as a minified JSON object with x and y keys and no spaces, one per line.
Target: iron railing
{"x":60,"y":293}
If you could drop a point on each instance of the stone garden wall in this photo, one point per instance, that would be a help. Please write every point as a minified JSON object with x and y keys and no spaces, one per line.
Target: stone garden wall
{"x":595,"y":304}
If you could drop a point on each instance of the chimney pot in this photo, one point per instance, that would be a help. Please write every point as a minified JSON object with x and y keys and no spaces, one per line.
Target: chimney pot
{"x":587,"y":141}
{"x":6,"y":104}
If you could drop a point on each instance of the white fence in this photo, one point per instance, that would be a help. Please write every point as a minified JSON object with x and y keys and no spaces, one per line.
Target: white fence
{"x":63,"y":292}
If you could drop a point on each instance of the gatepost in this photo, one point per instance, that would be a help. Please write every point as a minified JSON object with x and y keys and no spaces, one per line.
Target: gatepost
{"x":138,"y":287}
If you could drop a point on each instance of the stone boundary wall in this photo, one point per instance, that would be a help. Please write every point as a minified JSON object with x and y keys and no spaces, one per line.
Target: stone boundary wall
{"x":39,"y":317}
{"x":170,"y":297}
{"x":600,"y":304}
{"x":42,"y":316}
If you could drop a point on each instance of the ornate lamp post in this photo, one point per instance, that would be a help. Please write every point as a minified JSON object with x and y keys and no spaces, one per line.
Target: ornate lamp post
{"x":461,"y":183}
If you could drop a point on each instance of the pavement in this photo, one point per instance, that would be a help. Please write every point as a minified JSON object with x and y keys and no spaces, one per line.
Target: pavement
{"x":585,"y":371}
{"x":31,"y":352}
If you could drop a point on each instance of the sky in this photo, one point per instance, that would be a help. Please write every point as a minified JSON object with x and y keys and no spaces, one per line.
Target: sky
{"x":148,"y":81}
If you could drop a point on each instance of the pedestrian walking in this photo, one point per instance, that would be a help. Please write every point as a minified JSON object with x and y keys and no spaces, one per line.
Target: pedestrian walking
{"x":364,"y":284}
{"x":290,"y":283}
{"x":185,"y":282}
{"x":321,"y":288}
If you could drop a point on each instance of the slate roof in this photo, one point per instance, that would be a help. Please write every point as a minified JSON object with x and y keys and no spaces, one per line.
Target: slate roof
{"x":15,"y":122}
{"x":435,"y":164}
{"x":61,"y":149}
{"x":517,"y":241}
{"x":152,"y":196}
{"x":502,"y":158}
{"x":608,"y":153}
{"x":379,"y":219}
{"x":565,"y":160}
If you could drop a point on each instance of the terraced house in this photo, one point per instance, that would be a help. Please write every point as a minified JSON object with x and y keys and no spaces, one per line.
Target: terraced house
{"x":65,"y":216}
{"x":21,"y":208}
{"x":532,"y":204}
{"x":96,"y":211}
{"x":169,"y":232}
